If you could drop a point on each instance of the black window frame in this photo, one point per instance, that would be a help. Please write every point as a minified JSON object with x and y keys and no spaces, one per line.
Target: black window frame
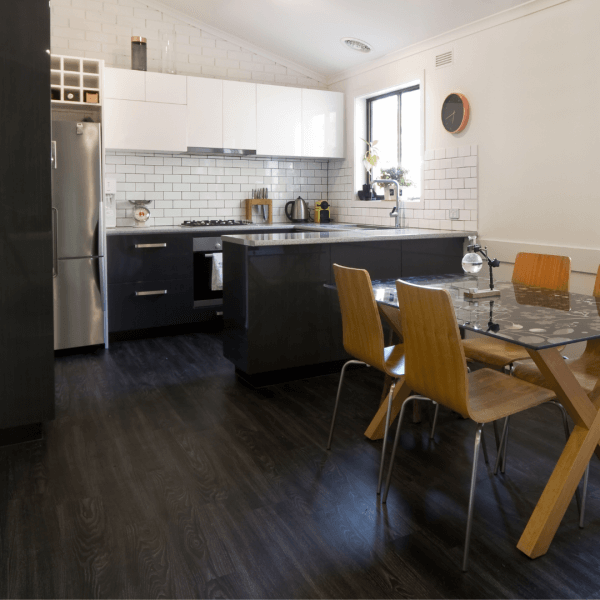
{"x":398,"y":93}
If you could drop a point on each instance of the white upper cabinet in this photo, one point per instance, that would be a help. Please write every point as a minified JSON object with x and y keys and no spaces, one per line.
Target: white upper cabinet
{"x":162,"y":87}
{"x":239,"y":115}
{"x":322,"y":124}
{"x":123,"y":84}
{"x":147,"y":126}
{"x":204,"y":112}
{"x":279,"y":120}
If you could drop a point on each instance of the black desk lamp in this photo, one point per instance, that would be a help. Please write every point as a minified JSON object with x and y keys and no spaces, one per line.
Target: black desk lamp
{"x":472,"y":264}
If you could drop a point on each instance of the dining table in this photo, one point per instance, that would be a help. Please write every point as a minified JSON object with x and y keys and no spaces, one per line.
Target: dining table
{"x":543,"y":322}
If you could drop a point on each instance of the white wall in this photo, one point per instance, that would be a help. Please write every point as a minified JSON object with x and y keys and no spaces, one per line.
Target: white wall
{"x":533,"y":81}
{"x":103,"y":29}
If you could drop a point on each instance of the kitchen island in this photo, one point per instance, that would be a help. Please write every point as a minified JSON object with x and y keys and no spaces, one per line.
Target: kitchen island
{"x":280,"y":320}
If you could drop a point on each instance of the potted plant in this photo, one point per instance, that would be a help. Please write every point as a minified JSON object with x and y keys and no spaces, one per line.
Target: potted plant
{"x":370,"y":160}
{"x":397,"y":173}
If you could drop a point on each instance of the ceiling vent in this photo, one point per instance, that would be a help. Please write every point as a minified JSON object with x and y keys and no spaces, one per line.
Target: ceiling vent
{"x":356,"y":44}
{"x":445,"y":59}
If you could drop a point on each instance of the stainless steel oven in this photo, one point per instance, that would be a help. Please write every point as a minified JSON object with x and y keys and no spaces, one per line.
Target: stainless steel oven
{"x":204,"y":250}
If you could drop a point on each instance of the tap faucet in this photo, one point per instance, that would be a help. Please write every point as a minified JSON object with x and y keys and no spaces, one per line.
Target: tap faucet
{"x":396,"y":210}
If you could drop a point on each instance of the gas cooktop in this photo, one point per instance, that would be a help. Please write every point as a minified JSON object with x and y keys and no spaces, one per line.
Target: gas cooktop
{"x":214,"y":223}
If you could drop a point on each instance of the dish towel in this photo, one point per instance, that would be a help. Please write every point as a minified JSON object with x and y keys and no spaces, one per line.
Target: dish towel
{"x":217,"y":272}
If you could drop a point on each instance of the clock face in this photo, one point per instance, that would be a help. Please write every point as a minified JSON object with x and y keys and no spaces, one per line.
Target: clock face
{"x":455,"y":113}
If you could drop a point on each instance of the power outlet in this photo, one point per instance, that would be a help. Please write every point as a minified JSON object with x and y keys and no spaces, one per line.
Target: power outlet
{"x":454,"y":214}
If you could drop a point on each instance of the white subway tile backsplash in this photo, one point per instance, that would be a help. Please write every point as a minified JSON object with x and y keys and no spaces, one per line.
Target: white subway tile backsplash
{"x":182,"y":187}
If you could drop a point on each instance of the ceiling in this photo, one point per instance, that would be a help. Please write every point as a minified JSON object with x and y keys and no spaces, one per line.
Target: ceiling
{"x":308,"y":32}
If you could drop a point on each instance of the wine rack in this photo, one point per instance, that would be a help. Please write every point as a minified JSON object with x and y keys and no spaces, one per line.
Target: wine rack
{"x":75,"y":80}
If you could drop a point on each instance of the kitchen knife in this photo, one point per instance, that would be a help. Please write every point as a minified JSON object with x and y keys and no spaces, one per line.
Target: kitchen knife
{"x":265,"y":207}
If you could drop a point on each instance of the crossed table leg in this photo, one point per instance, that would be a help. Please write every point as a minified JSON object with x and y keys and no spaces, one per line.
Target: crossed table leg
{"x":571,"y":465}
{"x":583,"y":442}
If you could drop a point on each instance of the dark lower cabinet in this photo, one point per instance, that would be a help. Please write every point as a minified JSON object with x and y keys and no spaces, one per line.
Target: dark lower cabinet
{"x":150,"y":304}
{"x":26,"y":324}
{"x":156,"y":280}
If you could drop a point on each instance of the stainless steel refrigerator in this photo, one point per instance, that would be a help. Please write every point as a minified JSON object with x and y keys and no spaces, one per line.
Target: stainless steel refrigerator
{"x":78,"y":234}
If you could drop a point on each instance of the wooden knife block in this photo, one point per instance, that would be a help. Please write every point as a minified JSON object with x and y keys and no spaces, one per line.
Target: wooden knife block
{"x":259,"y":202}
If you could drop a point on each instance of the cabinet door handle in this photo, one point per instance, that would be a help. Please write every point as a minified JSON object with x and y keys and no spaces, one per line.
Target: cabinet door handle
{"x":151,"y":245}
{"x":152,"y":293}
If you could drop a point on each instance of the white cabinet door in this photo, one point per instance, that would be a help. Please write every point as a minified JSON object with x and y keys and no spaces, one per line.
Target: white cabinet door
{"x":204,"y":112}
{"x":145,"y":126}
{"x":162,"y":87}
{"x":279,"y":120}
{"x":322,"y":124}
{"x":239,"y":115}
{"x":123,"y":84}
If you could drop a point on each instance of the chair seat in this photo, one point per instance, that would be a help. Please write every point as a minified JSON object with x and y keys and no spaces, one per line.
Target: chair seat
{"x":491,"y":351}
{"x":494,"y":395}
{"x":586,"y":369}
{"x":394,"y":360}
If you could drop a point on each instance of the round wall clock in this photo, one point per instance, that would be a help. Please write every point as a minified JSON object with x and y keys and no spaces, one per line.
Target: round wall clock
{"x":455,"y":113}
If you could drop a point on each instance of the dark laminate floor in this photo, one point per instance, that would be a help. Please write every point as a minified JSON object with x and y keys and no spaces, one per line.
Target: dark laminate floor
{"x":164,"y":476}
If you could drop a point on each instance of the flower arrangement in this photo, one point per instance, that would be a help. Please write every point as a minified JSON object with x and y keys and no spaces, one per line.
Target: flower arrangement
{"x":371,"y":157}
{"x":397,"y":173}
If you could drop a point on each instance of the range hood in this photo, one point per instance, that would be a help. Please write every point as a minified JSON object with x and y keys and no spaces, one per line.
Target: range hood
{"x":221,"y":151}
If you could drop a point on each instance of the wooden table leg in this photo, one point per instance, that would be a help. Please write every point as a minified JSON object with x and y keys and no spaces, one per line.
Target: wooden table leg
{"x":376,"y":427}
{"x":567,"y":474}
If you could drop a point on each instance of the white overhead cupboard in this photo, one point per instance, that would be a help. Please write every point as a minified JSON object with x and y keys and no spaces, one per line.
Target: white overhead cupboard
{"x":171,"y":113}
{"x":205,"y":112}
{"x":279,"y":121}
{"x":239,"y":115}
{"x":322,"y":114}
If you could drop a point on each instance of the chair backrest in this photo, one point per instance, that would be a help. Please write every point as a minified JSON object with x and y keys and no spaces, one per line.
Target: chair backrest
{"x":435,"y":360}
{"x":592,"y":347}
{"x":542,"y":270}
{"x":363,"y":334}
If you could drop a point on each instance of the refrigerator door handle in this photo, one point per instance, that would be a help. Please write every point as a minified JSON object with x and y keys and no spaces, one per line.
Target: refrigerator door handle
{"x":53,"y":156}
{"x":54,"y":242}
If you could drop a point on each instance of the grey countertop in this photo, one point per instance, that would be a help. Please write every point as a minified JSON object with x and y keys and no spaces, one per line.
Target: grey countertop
{"x":297,"y":233}
{"x":335,"y":237}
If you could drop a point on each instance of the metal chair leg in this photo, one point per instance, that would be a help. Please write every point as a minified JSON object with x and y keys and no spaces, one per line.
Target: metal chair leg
{"x":507,"y":426}
{"x":435,"y":416}
{"x":385,"y":434}
{"x":484,"y":446}
{"x":584,"y":495}
{"x":578,"y":496}
{"x":337,"y":398}
{"x":465,"y":562}
{"x":394,"y":448}
{"x":501,"y":445}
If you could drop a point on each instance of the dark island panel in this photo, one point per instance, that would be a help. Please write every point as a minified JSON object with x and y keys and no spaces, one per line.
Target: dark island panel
{"x":279,"y":316}
{"x":431,"y":257}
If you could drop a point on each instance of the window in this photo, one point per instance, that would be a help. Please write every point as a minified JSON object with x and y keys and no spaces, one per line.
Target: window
{"x":394,"y":120}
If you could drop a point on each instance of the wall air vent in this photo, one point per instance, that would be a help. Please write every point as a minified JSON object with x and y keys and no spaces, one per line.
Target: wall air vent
{"x":444,"y":60}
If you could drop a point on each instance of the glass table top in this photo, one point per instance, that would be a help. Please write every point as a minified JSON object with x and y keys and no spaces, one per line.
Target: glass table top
{"x":527,"y":316}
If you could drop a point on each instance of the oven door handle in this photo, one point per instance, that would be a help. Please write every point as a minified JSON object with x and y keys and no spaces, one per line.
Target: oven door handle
{"x":211,"y":254}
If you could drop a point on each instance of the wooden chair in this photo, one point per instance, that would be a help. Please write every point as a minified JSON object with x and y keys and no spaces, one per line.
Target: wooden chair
{"x":586,"y":369}
{"x":436,"y":368}
{"x":535,"y":270}
{"x":363,"y":339}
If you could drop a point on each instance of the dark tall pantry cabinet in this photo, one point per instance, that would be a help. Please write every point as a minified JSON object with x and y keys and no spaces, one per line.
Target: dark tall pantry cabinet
{"x":26,"y":323}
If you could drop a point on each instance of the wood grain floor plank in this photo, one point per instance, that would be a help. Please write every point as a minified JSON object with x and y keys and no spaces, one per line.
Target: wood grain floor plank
{"x":165,"y":476}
